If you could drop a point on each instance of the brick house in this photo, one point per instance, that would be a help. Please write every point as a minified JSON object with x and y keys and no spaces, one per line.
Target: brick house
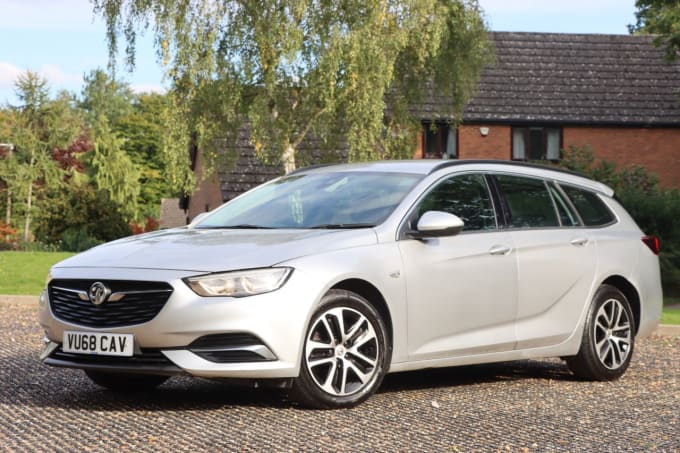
{"x":546,"y":92}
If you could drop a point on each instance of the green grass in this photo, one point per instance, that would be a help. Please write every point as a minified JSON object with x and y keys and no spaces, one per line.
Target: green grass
{"x":670,"y":316}
{"x":24,"y":272}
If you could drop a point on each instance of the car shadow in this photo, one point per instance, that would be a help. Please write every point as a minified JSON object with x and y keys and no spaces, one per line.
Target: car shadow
{"x":476,"y":374}
{"x":35,"y":384}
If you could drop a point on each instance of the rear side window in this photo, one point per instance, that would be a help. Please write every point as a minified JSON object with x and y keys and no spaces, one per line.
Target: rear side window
{"x":590,"y":207}
{"x":466,"y":196}
{"x":529,"y":202}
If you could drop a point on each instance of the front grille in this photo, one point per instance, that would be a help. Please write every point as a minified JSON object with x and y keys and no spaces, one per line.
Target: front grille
{"x":140,"y":302}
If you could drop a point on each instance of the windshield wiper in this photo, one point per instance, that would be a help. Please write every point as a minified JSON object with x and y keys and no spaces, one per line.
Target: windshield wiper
{"x":341,"y":226}
{"x":243,"y":226}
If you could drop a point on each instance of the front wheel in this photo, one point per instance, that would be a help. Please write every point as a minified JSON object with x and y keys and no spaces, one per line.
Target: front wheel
{"x":608,"y":338}
{"x":126,"y":382}
{"x":346,"y":353}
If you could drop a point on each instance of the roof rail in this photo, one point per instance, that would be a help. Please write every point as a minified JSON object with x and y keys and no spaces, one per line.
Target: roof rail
{"x":453,"y":163}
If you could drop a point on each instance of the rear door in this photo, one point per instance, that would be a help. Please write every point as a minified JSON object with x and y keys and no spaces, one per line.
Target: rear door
{"x":556,"y":259}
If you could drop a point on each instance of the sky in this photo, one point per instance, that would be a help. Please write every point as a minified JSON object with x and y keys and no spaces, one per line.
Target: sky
{"x":62,"y":39}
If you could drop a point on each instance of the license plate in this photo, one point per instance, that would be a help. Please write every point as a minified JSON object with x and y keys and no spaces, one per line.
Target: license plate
{"x":114,"y":344}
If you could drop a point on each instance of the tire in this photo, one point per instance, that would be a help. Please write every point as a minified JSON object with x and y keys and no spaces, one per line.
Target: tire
{"x":608,"y":338}
{"x":346,"y":353}
{"x":126,"y":382}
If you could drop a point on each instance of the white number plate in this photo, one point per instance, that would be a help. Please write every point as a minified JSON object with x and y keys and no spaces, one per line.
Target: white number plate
{"x":116,"y":344}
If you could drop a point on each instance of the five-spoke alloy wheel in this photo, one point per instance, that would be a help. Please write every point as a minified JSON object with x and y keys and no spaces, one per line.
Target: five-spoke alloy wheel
{"x":608,"y":337}
{"x":346,"y":352}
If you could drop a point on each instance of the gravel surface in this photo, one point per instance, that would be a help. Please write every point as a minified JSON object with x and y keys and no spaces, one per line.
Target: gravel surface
{"x":519,"y":406}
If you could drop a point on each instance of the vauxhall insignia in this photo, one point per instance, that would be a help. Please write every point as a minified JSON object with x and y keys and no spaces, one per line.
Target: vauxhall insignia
{"x":98,"y":293}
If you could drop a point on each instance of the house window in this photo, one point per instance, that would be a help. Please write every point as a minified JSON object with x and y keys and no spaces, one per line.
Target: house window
{"x":536,"y":143}
{"x":439,"y":141}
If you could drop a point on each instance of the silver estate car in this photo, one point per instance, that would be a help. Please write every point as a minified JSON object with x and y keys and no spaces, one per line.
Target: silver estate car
{"x":323,"y":280}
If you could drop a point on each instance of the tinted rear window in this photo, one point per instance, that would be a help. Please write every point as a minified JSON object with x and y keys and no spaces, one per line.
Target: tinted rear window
{"x":590,"y":207}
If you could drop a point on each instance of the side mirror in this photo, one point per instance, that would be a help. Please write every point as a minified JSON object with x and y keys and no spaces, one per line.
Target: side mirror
{"x":437,"y":224}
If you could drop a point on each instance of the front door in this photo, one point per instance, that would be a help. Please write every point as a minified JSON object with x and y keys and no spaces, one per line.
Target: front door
{"x":461,"y":290}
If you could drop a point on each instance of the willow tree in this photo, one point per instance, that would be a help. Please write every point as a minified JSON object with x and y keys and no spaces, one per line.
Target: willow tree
{"x":660,"y":17}
{"x":299,"y":68}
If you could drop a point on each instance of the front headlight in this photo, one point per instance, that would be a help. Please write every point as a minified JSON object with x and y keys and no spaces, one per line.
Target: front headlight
{"x":239,"y":283}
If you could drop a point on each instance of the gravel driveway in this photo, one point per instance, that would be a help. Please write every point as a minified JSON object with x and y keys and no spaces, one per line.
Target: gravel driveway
{"x":520,"y":406}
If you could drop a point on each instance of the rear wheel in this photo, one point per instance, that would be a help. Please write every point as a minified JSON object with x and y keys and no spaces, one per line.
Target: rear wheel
{"x":346,"y":353}
{"x":608,"y":339}
{"x":126,"y":382}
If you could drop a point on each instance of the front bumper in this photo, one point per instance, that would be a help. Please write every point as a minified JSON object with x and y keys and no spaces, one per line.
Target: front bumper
{"x":196,"y":335}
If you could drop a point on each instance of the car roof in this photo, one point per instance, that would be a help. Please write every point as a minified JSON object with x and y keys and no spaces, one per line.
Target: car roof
{"x":429,"y":166}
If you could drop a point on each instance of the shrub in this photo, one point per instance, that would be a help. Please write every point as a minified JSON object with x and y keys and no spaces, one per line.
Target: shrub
{"x":84,"y":212}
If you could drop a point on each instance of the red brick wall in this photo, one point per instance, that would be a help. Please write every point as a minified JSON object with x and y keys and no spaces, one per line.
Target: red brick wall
{"x":657,"y":149}
{"x":496,"y":144}
{"x":208,"y":196}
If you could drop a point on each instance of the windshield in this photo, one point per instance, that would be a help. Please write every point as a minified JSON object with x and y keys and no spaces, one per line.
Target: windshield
{"x":317,"y":200}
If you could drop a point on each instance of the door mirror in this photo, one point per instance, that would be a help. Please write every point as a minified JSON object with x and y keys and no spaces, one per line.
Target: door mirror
{"x":437,"y":224}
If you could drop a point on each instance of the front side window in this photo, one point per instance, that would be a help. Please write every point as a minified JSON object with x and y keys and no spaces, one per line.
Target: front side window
{"x":536,"y":143}
{"x":590,"y":207}
{"x":466,"y":196}
{"x":528,"y":202}
{"x":317,"y":200}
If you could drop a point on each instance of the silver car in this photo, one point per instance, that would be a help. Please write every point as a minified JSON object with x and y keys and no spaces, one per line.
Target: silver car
{"x":324,"y":280}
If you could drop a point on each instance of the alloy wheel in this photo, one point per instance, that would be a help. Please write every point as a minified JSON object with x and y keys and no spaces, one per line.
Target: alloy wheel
{"x":612,"y":333}
{"x":342,"y":351}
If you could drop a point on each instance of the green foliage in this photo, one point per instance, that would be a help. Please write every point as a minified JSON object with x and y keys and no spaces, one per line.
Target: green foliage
{"x":295,"y":69}
{"x":143,"y":130}
{"x":105,"y":102}
{"x":80,"y":215}
{"x":77,"y":240}
{"x":36,"y":127}
{"x":661,"y":17}
{"x":655,"y":209}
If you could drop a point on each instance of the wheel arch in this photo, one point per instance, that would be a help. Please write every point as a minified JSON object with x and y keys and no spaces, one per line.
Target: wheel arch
{"x":373,"y":295}
{"x":631,"y":293}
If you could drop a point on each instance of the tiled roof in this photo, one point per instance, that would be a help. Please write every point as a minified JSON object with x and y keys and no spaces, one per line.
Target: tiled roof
{"x":577,"y":78}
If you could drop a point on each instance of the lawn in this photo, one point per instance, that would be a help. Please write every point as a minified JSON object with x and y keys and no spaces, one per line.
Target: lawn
{"x":25,"y":272}
{"x":670,"y":316}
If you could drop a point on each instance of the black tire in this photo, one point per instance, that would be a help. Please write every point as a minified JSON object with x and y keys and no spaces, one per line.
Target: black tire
{"x":608,"y":337}
{"x":363,"y":350}
{"x":126,"y":382}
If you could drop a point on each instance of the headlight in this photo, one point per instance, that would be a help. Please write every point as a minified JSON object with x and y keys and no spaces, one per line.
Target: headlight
{"x":240,"y":283}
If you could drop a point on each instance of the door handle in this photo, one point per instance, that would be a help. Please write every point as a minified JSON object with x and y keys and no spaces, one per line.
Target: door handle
{"x":579,"y":242}
{"x":499,"y":250}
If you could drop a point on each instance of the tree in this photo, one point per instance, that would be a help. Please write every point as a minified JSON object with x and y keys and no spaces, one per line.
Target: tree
{"x":39,"y":126}
{"x":660,"y":17}
{"x":105,"y":102}
{"x":292,"y":69}
{"x":143,"y":131}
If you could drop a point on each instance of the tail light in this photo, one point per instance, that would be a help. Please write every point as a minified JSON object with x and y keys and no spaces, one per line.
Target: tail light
{"x":653,"y":243}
